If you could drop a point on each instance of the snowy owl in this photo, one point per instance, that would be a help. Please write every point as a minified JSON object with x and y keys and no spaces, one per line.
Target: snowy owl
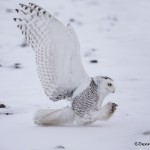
{"x":61,"y":72}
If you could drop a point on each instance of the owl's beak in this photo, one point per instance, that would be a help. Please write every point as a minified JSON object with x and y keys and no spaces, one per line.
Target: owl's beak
{"x":113,"y":91}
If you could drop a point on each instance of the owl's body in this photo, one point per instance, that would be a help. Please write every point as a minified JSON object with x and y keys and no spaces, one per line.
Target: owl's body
{"x":60,"y":69}
{"x":87,"y":101}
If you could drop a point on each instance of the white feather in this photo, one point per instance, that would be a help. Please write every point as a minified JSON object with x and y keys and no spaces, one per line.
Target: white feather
{"x":54,"y":116}
{"x":57,"y":52}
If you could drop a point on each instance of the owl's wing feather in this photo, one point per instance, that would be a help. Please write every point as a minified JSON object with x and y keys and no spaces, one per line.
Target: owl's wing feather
{"x":57,"y":51}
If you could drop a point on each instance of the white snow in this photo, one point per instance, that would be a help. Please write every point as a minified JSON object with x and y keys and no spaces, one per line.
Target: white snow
{"x":118,"y":31}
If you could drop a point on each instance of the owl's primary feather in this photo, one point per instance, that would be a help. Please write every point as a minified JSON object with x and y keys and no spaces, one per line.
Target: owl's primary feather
{"x":57,"y":51}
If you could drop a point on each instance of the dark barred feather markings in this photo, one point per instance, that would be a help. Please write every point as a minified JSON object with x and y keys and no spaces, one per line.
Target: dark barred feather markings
{"x":87,"y":100}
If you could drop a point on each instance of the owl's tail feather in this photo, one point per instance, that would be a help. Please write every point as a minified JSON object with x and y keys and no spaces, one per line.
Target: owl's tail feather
{"x":54,"y":116}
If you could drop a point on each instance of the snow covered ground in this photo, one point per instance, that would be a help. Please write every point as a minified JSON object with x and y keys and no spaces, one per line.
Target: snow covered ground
{"x":116,"y":33}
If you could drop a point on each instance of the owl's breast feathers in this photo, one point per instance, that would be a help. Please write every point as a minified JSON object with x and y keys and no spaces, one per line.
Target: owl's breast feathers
{"x":86,"y":103}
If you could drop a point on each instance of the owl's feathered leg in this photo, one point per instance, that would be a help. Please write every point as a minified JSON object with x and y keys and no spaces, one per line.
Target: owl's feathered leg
{"x":54,"y":116}
{"x":104,"y":114}
{"x":107,"y":111}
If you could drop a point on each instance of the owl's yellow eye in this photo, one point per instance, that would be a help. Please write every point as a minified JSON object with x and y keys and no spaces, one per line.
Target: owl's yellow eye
{"x":109,"y":84}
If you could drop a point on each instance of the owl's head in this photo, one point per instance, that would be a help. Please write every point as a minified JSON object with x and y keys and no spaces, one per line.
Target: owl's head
{"x":105,"y":84}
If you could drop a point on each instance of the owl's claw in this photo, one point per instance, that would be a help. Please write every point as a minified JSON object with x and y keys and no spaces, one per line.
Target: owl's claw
{"x":114,"y":104}
{"x":114,"y":107}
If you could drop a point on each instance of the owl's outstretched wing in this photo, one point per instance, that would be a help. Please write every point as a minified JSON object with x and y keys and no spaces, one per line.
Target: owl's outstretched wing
{"x":57,"y":51}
